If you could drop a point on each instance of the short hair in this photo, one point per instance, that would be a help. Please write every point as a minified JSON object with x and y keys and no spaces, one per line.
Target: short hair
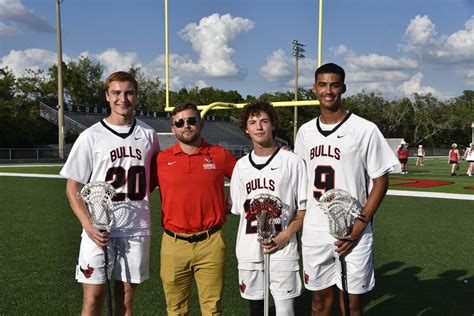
{"x":254,"y":109}
{"x":185,"y":106}
{"x":121,"y":76}
{"x":330,"y":68}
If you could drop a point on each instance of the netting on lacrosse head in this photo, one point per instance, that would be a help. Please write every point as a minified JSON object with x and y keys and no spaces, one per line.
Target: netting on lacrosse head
{"x":341,"y":209}
{"x":98,"y":198}
{"x":267,"y":210}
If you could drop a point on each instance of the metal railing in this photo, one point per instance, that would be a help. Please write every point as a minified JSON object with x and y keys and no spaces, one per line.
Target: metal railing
{"x":51,"y":115}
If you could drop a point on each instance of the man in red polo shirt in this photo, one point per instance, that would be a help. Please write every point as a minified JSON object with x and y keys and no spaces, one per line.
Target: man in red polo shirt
{"x":191,"y":180}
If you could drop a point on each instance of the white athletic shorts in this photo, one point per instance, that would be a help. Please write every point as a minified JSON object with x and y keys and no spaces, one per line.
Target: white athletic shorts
{"x":129,"y":260}
{"x":283,"y":284}
{"x":322,"y":268}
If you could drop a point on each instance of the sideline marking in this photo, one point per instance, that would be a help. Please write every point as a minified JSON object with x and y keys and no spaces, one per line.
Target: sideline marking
{"x":435,"y":195}
{"x":31,"y":165}
{"x":31,"y":175}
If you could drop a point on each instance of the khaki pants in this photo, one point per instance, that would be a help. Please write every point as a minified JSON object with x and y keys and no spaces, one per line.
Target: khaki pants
{"x":203,"y":260}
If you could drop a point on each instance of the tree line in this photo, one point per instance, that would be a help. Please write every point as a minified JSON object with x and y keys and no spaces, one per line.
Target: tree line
{"x":419,"y":119}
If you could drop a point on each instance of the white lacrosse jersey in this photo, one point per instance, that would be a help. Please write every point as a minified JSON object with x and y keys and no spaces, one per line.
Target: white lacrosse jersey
{"x":282,"y":175}
{"x":121,"y":156}
{"x":346,"y":157}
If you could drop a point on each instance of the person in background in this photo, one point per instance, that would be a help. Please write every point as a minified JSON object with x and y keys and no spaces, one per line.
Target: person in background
{"x":420,"y":156}
{"x":403,"y":153}
{"x":470,"y":159}
{"x":453,"y":158}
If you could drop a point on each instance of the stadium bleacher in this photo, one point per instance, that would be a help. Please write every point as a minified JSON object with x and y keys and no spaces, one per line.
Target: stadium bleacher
{"x":217,"y":129}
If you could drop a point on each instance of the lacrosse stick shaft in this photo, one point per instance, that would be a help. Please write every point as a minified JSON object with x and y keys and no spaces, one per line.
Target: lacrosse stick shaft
{"x":107,"y":282}
{"x":266,"y":281}
{"x":345,"y":294}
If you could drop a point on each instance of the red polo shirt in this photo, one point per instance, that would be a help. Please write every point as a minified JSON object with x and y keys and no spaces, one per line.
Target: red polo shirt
{"x":192,"y":187}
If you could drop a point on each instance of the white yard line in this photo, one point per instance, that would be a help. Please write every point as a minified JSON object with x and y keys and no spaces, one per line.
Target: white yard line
{"x":435,"y":195}
{"x":30,"y":175}
{"x":31,"y":165}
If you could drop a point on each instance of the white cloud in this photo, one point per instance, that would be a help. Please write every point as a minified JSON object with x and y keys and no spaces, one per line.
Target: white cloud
{"x":381,"y":74}
{"x":211,"y":39}
{"x":176,"y":83}
{"x":7,"y":30}
{"x":414,"y":86}
{"x":277,"y":66}
{"x":201,"y":84}
{"x":361,"y":75}
{"x":457,"y":48}
{"x":17,"y":15}
{"x":374,"y":68}
{"x":113,"y":60}
{"x":374,"y":61}
{"x":420,"y":31}
{"x":179,"y":65}
{"x":19,"y":61}
{"x":182,"y":64}
{"x":280,"y":68}
{"x":468,"y":75}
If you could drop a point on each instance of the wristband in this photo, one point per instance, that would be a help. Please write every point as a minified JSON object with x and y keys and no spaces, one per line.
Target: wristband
{"x":362,"y":218}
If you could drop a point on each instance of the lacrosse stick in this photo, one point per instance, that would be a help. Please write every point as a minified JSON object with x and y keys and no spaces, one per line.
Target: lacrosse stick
{"x":98,"y":198}
{"x":266,"y":209}
{"x":342,"y":210}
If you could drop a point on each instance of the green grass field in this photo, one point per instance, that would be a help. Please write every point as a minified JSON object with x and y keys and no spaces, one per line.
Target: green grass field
{"x":424,"y":255}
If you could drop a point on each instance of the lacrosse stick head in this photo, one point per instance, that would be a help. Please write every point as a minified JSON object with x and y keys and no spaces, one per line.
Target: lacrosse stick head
{"x":98,"y":198}
{"x":267,"y":210}
{"x":342,"y":210}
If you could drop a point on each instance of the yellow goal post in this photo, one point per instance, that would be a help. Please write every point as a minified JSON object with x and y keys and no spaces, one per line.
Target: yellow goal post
{"x":225,"y":105}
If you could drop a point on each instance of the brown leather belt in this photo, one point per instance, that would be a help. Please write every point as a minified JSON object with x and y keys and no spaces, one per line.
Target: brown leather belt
{"x":194,"y":237}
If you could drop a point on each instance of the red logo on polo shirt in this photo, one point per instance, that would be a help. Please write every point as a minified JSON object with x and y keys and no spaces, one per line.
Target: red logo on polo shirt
{"x":208,"y":164}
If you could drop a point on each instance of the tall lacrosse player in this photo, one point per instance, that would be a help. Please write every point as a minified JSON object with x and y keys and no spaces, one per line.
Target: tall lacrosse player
{"x":118,"y":150}
{"x":343,"y":151}
{"x":267,"y":169}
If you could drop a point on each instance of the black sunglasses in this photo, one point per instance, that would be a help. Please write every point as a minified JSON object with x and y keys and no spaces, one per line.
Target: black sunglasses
{"x":190,"y":120}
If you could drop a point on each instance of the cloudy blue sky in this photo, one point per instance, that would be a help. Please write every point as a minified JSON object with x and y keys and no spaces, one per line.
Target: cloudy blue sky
{"x":392,"y":47}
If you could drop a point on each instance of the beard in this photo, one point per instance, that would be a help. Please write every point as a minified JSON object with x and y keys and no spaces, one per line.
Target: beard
{"x":189,"y":138}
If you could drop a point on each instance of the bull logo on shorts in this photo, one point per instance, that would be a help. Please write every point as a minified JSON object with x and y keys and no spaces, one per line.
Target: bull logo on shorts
{"x":242,"y":287}
{"x":306,"y":278}
{"x":87,"y":272}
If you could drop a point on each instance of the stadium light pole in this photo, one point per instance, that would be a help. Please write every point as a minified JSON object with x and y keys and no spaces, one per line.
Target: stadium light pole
{"x":60,"y":82}
{"x":320,"y":33}
{"x":298,"y":51}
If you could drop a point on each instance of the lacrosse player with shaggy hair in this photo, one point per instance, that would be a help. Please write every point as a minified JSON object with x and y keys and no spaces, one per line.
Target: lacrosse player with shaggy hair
{"x":117,"y":150}
{"x":279,"y":175}
{"x":341,"y":151}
